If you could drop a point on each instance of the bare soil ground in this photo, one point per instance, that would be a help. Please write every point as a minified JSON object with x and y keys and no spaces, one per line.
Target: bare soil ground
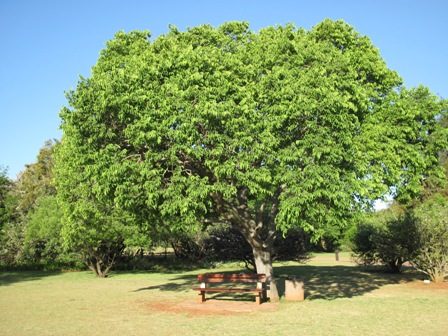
{"x":210,"y":307}
{"x":432,"y":285}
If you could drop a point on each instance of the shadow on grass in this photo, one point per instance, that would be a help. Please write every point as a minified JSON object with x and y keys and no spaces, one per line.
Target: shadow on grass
{"x":321,"y":282}
{"x":186,"y":283}
{"x":177,"y":284}
{"x":334,"y":282}
{"x":9,"y":278}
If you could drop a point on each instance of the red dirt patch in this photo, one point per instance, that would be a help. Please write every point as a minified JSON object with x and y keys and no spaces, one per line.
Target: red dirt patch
{"x":211,"y":307}
{"x":431,"y":285}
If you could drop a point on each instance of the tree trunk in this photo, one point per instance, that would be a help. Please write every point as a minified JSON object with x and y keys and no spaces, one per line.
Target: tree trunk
{"x":260,"y":233}
{"x":395,"y":266}
{"x":95,"y":266}
{"x":263,"y":264}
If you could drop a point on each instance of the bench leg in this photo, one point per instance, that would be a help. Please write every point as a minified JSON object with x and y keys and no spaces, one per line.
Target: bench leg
{"x":258,"y":298}
{"x":201,"y":297}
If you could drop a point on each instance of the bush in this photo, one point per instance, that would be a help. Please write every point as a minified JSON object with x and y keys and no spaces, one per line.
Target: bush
{"x":431,"y":220}
{"x":362,"y":243}
{"x":388,"y":237}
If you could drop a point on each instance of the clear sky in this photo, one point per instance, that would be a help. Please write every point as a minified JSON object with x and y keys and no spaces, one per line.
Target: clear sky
{"x":47,"y":44}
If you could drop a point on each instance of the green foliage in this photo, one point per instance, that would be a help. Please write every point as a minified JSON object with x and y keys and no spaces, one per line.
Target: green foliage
{"x":36,"y":180}
{"x":31,"y":234}
{"x":439,"y":184}
{"x":43,"y":242}
{"x":97,"y":233}
{"x":418,"y":235}
{"x":11,"y":228}
{"x":20,"y":198}
{"x":397,"y":243}
{"x":431,"y":219}
{"x":95,"y":229}
{"x":267,"y":131}
{"x":12,"y":244}
{"x":6,"y":210}
{"x":4,"y":184}
{"x":388,"y":237}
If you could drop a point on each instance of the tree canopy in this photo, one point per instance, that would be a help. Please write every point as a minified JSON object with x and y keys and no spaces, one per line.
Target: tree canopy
{"x":263,"y":130}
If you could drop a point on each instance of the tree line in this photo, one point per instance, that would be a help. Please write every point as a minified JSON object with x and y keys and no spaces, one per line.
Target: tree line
{"x":269,"y":134}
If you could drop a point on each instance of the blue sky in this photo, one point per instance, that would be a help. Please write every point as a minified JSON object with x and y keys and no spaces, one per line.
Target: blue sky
{"x":47,"y":44}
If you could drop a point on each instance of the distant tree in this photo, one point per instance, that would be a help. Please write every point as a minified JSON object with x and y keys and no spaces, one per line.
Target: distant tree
{"x":263,"y":131}
{"x":11,"y":228}
{"x":5,"y":188}
{"x":21,"y":199}
{"x":37,"y":179}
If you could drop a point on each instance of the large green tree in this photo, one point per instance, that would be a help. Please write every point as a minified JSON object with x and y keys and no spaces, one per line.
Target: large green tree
{"x":264,"y":131}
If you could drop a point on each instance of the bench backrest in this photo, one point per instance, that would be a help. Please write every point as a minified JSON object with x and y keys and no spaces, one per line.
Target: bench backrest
{"x":225,"y":277}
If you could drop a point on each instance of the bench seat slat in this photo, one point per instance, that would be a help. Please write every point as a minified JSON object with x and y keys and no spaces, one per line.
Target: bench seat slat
{"x":224,"y":277}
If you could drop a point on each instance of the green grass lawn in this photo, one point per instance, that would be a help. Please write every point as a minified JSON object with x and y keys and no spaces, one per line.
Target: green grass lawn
{"x":341,"y":299}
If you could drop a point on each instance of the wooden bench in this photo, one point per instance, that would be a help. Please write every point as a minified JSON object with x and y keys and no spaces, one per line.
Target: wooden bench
{"x":220,"y":278}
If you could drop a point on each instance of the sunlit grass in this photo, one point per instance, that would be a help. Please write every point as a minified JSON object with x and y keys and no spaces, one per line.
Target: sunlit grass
{"x":341,"y":299}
